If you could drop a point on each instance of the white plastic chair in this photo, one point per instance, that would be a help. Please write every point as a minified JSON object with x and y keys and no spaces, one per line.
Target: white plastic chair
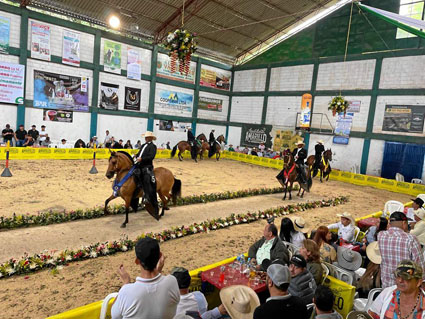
{"x":343,"y":275}
{"x":325,"y":272}
{"x":417,"y":181}
{"x":399,"y":177}
{"x":356,"y":232}
{"x":392,"y":206}
{"x":330,"y":268}
{"x":363,"y":304}
{"x":105,"y":304}
{"x":291,"y":247}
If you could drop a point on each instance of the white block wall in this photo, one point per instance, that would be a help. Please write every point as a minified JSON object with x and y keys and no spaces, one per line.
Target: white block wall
{"x":56,"y":41}
{"x":344,"y":157}
{"x":234,"y":137}
{"x":206,"y":129}
{"x":123,"y":82}
{"x":247,"y":109}
{"x":145,"y":55}
{"x":282,"y":110}
{"x":162,"y":137}
{"x":376,"y":155}
{"x":250,"y":80}
{"x":39,"y":65}
{"x":9,"y":58}
{"x":321,"y":104}
{"x":161,"y":110}
{"x":291,"y":78}
{"x":214,"y":115}
{"x":79,"y":128}
{"x":15,"y":28}
{"x":403,"y":73}
{"x":382,"y":101}
{"x":353,"y":75}
{"x":121,"y":127}
{"x":8,"y":116}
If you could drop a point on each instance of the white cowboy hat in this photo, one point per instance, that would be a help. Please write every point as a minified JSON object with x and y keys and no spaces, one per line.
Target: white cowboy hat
{"x":300,"y":143}
{"x":240,"y":301}
{"x":349,"y":259}
{"x":300,"y":225}
{"x":320,"y":142}
{"x":373,"y":253}
{"x":149,"y":134}
{"x":420,"y":213}
{"x":348,"y":216}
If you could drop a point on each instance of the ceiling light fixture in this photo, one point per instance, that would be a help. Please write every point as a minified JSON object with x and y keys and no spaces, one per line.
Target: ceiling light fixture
{"x":114,"y":22}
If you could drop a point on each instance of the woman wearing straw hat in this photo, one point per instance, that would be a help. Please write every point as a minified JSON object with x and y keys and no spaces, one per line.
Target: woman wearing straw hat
{"x":145,"y":178}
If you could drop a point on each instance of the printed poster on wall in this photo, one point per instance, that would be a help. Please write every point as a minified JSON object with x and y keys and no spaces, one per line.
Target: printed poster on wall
{"x":57,"y":116}
{"x":172,"y":126}
{"x":354,"y":106}
{"x":4,"y":34}
{"x":40,"y":41}
{"x":176,"y":100}
{"x":109,"y":96}
{"x":112,"y":56}
{"x":255,"y":134}
{"x":210,"y":104}
{"x":58,"y":91}
{"x":163,"y":69}
{"x":305,"y":111}
{"x":284,"y":139}
{"x":215,"y":78}
{"x":404,"y":118}
{"x":132,"y":99}
{"x":134,"y":64}
{"x":12,"y":79}
{"x":71,"y":48}
{"x":343,"y":128}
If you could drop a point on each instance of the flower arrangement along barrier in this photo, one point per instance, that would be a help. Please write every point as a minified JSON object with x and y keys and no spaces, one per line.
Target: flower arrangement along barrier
{"x":28,"y":264}
{"x":57,"y":217}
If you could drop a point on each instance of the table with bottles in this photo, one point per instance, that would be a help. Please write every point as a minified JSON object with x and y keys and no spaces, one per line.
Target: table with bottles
{"x":237,"y":272}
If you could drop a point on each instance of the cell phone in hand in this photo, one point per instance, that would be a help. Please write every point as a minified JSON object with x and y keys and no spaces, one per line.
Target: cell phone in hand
{"x":270,"y":220}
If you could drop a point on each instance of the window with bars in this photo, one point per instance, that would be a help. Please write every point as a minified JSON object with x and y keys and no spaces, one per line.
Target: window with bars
{"x":413,"y":9}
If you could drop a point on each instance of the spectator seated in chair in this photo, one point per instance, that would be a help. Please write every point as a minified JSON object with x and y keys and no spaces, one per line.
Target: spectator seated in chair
{"x":302,"y":282}
{"x":29,"y":141}
{"x":349,"y":260}
{"x":345,"y":227}
{"x":310,"y":252}
{"x":80,"y":144}
{"x":293,"y":232}
{"x":323,"y":304}
{"x":322,"y":238}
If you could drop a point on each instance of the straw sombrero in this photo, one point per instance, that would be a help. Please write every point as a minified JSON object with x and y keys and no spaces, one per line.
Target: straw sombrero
{"x":348,"y":259}
{"x":373,"y":253}
{"x":300,"y":143}
{"x":149,"y":134}
{"x":240,"y":301}
{"x":320,"y":142}
{"x":300,"y":225}
{"x":348,"y":216}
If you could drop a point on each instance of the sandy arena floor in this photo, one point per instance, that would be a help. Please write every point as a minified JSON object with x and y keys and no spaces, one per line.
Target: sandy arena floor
{"x":44,"y":185}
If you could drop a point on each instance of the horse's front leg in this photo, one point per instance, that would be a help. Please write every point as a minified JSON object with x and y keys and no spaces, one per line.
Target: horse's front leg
{"x":321,"y":176}
{"x":105,"y":210}
{"x":164,"y":204}
{"x":285,"y":186}
{"x":302,"y":195}
{"x":299,"y":190}
{"x":290,"y":190}
{"x":180,"y":156}
{"x":127,"y":210}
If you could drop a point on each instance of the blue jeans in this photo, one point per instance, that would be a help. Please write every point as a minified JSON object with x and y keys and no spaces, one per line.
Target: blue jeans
{"x":20,"y":143}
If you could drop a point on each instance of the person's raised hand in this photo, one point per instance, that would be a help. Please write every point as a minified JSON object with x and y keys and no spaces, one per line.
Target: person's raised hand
{"x":125,"y":277}
{"x":222,"y":310}
{"x":160,"y":263}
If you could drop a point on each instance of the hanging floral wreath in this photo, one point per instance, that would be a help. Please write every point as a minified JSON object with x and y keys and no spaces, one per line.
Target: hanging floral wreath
{"x":338,"y":105}
{"x":182,"y":45}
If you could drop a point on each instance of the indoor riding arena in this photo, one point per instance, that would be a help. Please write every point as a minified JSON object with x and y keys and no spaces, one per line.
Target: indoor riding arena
{"x":262,"y":111}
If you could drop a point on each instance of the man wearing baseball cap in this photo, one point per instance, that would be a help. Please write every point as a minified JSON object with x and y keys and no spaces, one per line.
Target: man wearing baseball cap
{"x":395,"y":245}
{"x":277,"y":281}
{"x":152,"y":295}
{"x":302,"y":284}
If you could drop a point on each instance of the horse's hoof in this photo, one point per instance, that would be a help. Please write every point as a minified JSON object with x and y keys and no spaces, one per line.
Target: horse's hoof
{"x":123,"y":225}
{"x":167,"y":208}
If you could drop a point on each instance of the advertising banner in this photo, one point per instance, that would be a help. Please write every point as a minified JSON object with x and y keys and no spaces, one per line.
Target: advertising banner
{"x":57,"y":116}
{"x":71,"y":48}
{"x":132,"y":99}
{"x":163,"y":69}
{"x":354,"y":106}
{"x":343,"y":128}
{"x":40,"y":41}
{"x":176,"y":100}
{"x":112,"y":56}
{"x":210,"y":104}
{"x":173,"y":126}
{"x":109,"y":96}
{"x":305,"y":111}
{"x":404,"y":118}
{"x":134,"y":64}
{"x":284,"y":139}
{"x":255,"y":134}
{"x":215,"y":78}
{"x":12,"y":79}
{"x":4,"y":34}
{"x":58,"y":91}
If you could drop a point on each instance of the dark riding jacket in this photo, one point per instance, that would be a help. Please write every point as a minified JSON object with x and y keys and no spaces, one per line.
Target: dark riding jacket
{"x":148,"y":154}
{"x":190,"y":136}
{"x":302,"y":155}
{"x":212,"y":138}
{"x":319,"y":149}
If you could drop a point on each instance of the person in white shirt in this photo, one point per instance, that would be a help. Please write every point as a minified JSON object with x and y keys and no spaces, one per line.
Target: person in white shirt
{"x":293,"y":231}
{"x":152,"y":295}
{"x":345,"y":227}
{"x":193,"y":302}
{"x":63,"y":144}
{"x":43,"y":134}
{"x":107,"y":140}
{"x":417,"y":206}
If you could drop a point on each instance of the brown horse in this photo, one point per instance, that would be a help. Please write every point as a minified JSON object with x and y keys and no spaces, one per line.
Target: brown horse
{"x":218,"y":142}
{"x":324,"y":165}
{"x":167,"y":186}
{"x":183,"y":146}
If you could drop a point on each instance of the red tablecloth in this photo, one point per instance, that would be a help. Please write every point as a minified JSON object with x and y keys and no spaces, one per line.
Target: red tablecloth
{"x":232,"y":277}
{"x":352,"y":247}
{"x":367,"y":222}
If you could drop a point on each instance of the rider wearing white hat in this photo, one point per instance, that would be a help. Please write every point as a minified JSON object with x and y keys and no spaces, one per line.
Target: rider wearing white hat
{"x":145,"y":178}
{"x":300,"y":154}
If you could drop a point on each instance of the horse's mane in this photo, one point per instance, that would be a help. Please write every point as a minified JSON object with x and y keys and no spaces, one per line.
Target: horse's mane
{"x":126,"y":154}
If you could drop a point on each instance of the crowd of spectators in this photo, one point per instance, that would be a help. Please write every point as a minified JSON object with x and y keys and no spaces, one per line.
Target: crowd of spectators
{"x":293,"y":260}
{"x":260,"y":151}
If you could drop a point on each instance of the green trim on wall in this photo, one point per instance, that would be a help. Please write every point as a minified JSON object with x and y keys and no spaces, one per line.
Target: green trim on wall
{"x":196,"y":97}
{"x":95,"y":92}
{"x":23,"y":57}
{"x":181,"y":84}
{"x":365,"y":156}
{"x":266,"y":97}
{"x":229,"y":111}
{"x":152,"y":88}
{"x":123,"y":113}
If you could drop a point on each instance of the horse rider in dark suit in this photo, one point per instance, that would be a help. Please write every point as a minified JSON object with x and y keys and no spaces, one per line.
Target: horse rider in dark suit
{"x":318,"y":149}
{"x":145,"y":178}
{"x":212,"y":143}
{"x":300,"y":154}
{"x":192,"y":142}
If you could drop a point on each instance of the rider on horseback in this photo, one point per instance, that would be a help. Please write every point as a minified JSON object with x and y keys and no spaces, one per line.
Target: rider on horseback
{"x":300,"y":154}
{"x":319,"y":149}
{"x":144,"y":175}
{"x":193,"y":143}
{"x":211,"y":141}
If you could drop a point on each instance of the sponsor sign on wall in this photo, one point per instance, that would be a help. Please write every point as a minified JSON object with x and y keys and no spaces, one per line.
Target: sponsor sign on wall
{"x":163,"y":69}
{"x":112,"y":56}
{"x":57,"y":116}
{"x":175,"y":100}
{"x":343,"y":128}
{"x":132,"y":99}
{"x":354,"y":106}
{"x":404,"y":118}
{"x":305,"y":111}
{"x":215,"y":78}
{"x":255,"y":134}
{"x":109,"y":96}
{"x":172,"y":126}
{"x":71,"y":48}
{"x":12,"y":79}
{"x":4,"y":34}
{"x":134,"y":64}
{"x":210,"y":104}
{"x":40,"y":41}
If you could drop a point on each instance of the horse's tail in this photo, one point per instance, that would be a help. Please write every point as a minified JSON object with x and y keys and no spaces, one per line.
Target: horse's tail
{"x":176,"y":191}
{"x":309,"y":183}
{"x":173,"y":152}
